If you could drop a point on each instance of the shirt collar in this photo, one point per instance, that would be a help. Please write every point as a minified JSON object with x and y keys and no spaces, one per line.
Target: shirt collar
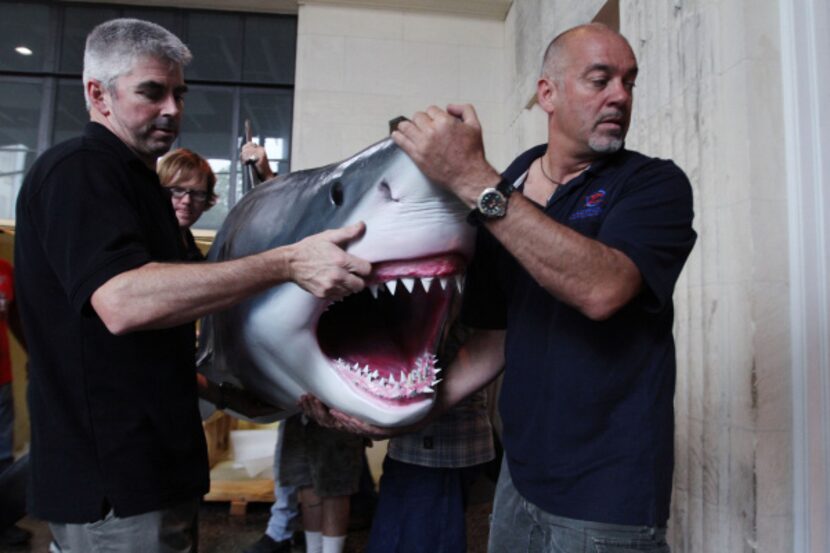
{"x":100,"y":133}
{"x":603,"y":164}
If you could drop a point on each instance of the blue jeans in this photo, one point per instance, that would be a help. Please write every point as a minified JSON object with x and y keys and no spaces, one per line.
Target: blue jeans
{"x":518,"y":526}
{"x":284,"y":510}
{"x":421,"y":509}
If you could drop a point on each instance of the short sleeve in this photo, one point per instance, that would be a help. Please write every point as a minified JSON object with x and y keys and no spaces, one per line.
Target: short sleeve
{"x":651,"y":223}
{"x":87,"y":224}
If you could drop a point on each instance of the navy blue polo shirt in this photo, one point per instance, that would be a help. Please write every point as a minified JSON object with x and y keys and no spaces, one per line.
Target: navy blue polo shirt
{"x":114,"y":419}
{"x":587,"y":406}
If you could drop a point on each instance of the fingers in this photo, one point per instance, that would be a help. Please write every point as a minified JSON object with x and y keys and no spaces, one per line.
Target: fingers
{"x":331,"y":418}
{"x":252,"y":152}
{"x":357,"y":426}
{"x":465,"y":112}
{"x":315,"y":409}
{"x":447,"y":146}
{"x":344,"y":235}
{"x":320,"y":265}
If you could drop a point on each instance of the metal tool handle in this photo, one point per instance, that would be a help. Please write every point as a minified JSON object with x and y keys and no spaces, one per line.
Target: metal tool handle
{"x":249,"y":175}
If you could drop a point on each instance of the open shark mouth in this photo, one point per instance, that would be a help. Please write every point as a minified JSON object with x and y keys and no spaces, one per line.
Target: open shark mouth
{"x":382,"y":341}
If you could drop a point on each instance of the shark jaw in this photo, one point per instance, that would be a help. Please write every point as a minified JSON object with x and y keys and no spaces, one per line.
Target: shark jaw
{"x":382,"y":341}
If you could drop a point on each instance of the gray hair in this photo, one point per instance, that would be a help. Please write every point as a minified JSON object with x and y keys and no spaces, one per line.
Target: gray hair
{"x":113,"y":46}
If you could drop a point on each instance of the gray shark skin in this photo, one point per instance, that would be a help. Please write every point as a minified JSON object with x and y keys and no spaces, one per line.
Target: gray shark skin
{"x":371,"y":354}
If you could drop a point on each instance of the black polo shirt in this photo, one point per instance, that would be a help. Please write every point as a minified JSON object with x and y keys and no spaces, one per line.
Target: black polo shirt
{"x":587,"y":406}
{"x":114,"y":418}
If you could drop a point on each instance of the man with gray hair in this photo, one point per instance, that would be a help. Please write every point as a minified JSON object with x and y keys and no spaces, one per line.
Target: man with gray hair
{"x":118,"y":454}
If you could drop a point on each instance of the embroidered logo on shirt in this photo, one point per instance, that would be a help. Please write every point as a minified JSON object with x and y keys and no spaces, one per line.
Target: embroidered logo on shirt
{"x":591,"y":207}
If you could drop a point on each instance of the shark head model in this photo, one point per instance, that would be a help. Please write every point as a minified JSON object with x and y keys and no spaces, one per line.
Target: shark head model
{"x":370,"y":355}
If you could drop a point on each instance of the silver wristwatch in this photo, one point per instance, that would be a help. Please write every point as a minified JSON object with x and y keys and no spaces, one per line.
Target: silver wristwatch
{"x":492,"y":202}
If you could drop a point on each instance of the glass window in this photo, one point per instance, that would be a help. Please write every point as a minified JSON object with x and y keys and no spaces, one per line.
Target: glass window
{"x":170,"y":20}
{"x":215,"y":39}
{"x":270,"y":43}
{"x":270,"y":114}
{"x":20,"y":108}
{"x":207,"y":129}
{"x":78,"y":22}
{"x":70,"y":112}
{"x":24,"y":37}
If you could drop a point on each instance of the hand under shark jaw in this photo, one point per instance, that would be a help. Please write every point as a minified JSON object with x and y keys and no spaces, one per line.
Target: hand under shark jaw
{"x":382,"y":340}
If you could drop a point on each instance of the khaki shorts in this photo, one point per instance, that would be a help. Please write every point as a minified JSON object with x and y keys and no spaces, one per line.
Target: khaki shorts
{"x":326,"y":460}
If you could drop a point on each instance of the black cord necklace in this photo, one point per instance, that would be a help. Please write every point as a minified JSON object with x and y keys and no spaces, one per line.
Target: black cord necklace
{"x":542,"y":167}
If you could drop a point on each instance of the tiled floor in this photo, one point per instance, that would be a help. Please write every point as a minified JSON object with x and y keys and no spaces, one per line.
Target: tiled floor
{"x":219,"y":532}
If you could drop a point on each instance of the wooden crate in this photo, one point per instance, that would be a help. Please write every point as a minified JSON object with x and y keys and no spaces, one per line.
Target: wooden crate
{"x":228,"y":483}
{"x":217,"y":434}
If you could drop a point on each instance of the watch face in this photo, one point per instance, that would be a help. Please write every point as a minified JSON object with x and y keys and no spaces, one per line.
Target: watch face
{"x":492,"y":203}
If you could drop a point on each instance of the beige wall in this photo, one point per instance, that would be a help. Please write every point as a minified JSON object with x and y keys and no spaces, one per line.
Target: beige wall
{"x":529,"y":27}
{"x":357,"y":68}
{"x":709,"y":97}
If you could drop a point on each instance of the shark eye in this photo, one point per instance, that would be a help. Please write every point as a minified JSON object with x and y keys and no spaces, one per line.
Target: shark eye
{"x":336,"y":193}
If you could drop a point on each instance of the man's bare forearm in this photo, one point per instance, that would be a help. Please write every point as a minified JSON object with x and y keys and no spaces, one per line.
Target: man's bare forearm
{"x":159,"y":295}
{"x":582,"y":272}
{"x":478,"y":362}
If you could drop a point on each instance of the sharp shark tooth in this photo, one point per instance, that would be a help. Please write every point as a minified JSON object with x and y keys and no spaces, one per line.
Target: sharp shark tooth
{"x":443,"y":281}
{"x":409,"y":283}
{"x":459,"y":283}
{"x":391,"y":285}
{"x":426,"y":282}
{"x":373,"y":288}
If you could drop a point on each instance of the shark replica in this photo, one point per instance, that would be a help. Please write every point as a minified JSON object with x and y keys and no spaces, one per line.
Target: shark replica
{"x":370,"y":355}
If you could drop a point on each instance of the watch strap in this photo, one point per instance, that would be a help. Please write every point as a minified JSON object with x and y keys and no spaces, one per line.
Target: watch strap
{"x":505,"y":187}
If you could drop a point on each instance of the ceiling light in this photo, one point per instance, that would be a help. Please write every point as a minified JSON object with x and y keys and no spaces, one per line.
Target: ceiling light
{"x":23,"y":51}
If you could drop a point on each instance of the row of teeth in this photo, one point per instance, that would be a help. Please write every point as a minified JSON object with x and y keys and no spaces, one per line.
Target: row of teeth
{"x":420,"y":380}
{"x":409,"y":284}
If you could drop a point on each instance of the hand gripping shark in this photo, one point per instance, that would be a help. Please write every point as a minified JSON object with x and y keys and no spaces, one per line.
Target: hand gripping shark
{"x":370,"y":355}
